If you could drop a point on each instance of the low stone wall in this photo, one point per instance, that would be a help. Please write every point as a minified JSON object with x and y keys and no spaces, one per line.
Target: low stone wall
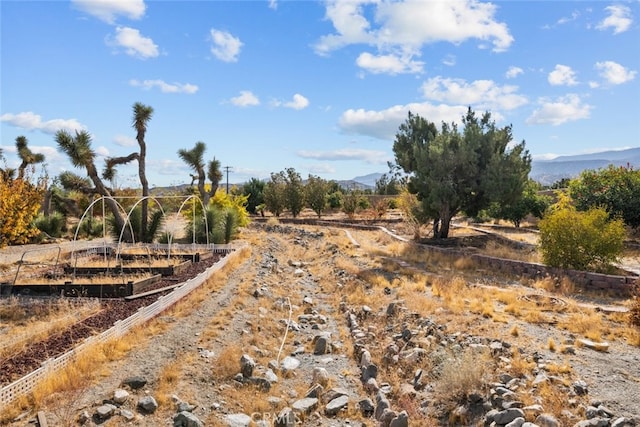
{"x":618,"y":285}
{"x":621,"y":286}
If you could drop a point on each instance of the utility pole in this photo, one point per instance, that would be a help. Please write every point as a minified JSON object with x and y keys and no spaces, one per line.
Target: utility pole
{"x":227,"y":169}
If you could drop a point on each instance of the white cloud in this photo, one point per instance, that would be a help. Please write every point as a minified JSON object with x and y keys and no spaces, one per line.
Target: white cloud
{"x":225,"y":46}
{"x":513,"y":72}
{"x":367,"y":156}
{"x":245,"y":99}
{"x":562,"y":75}
{"x":133,"y":43}
{"x":565,"y":109}
{"x":594,"y":85}
{"x":108,"y":10}
{"x":321,"y":168}
{"x":124,"y":141}
{"x":405,"y":26}
{"x":449,"y":60}
{"x":485,"y":94}
{"x":165,"y":87}
{"x":564,"y":20}
{"x":168,"y":167}
{"x":384,"y":124}
{"x":619,"y":19}
{"x":102,"y":151}
{"x":32,"y":121}
{"x":298,"y":102}
{"x":273,"y":4}
{"x":389,"y":64}
{"x":614,"y":73}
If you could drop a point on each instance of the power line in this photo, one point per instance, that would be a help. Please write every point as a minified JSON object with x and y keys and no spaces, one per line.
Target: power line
{"x":227,"y":169}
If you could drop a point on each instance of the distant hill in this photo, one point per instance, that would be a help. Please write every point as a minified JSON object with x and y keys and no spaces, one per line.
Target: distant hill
{"x":548,"y":172}
{"x":365,"y":182}
{"x":545,"y":172}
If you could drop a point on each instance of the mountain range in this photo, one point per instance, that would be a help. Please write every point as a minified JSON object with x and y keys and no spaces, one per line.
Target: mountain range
{"x":546,"y":172}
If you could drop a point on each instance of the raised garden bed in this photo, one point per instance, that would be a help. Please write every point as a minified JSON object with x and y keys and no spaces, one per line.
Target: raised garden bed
{"x":157,"y":267}
{"x":101,"y":287}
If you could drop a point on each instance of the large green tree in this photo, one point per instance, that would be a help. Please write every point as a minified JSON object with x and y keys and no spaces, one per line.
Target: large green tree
{"x":531,"y":202}
{"x":453,"y":171}
{"x":274,"y":193}
{"x":316,"y":193}
{"x":254,"y":190}
{"x":294,"y":192}
{"x":616,"y":188}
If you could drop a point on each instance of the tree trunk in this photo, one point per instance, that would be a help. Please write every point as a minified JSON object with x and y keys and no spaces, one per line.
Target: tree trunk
{"x":203,"y":193}
{"x":145,"y":192}
{"x":111,"y":203}
{"x":46,"y":203}
{"x":445,"y":221}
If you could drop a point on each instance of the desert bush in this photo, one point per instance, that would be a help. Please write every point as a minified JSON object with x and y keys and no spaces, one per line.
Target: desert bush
{"x":53,"y":225}
{"x":587,"y":240}
{"x":90,"y":227}
{"x":462,"y":375}
{"x":19,"y":204}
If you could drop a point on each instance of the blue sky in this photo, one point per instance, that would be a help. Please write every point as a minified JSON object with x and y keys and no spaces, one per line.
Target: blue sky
{"x":320,"y":86}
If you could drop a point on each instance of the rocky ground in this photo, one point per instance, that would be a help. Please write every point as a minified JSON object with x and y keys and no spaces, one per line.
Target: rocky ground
{"x":322,"y":326}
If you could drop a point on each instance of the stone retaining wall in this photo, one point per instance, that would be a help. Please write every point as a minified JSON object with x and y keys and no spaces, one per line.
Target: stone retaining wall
{"x":621,"y":286}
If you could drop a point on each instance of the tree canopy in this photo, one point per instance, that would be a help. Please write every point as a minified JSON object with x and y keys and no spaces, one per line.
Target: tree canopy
{"x":453,"y":171}
{"x":615,"y":188}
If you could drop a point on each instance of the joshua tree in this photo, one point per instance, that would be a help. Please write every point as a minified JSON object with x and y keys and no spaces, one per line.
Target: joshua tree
{"x":78,"y":149}
{"x":194,"y":158}
{"x":27,"y":156}
{"x":141,"y":116}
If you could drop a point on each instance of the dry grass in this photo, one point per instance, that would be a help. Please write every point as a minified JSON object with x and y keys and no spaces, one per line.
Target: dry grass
{"x":168,"y":380}
{"x":520,"y":367}
{"x":463,"y":375}
{"x":585,"y":323}
{"x":498,"y":250}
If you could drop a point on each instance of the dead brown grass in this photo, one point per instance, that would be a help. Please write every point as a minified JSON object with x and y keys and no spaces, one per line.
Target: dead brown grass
{"x":463,"y":375}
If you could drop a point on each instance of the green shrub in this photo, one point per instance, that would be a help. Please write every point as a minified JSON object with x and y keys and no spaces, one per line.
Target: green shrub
{"x":53,"y":225}
{"x":222,"y":225}
{"x":587,"y":240}
{"x":135,"y":223}
{"x":90,"y":228}
{"x":335,"y":200}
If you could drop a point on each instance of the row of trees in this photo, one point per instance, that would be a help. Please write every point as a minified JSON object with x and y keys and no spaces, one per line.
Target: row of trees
{"x":439,"y":172}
